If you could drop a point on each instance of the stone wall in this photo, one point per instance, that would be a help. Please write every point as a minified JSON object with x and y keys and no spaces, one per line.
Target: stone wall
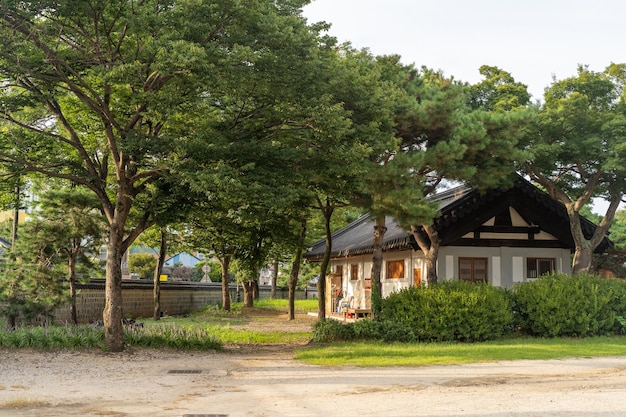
{"x":176,"y":298}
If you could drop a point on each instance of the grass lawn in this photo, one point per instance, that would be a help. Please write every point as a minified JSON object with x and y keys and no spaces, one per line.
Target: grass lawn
{"x":266,"y":323}
{"x":244,"y":326}
{"x":423,"y":354}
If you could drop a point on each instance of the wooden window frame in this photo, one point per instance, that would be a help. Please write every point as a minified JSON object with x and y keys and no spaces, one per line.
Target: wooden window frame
{"x":339,"y":270}
{"x":354,"y":272}
{"x":473,"y":271}
{"x":391,"y":269}
{"x":533,"y":266}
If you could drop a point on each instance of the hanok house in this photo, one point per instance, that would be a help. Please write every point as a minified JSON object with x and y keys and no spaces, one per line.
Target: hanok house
{"x":502,"y":237}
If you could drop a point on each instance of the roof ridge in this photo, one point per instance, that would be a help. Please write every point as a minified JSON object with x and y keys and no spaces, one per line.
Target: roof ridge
{"x":449,"y":192}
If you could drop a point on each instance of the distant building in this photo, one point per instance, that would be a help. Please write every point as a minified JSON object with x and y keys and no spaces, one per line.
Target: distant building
{"x":183,"y":259}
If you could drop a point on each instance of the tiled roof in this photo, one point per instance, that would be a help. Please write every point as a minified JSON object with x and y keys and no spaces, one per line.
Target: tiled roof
{"x":461,"y":210}
{"x":357,"y":237}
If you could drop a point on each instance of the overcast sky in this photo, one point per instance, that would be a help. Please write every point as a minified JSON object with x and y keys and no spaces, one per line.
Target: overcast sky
{"x":534,"y":40}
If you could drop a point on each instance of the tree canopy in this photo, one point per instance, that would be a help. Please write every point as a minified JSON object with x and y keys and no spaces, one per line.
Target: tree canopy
{"x":103,"y":94}
{"x":442,"y":137}
{"x":577,"y":149}
{"x":241,"y":118}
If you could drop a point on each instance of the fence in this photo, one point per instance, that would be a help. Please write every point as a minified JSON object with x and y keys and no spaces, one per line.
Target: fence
{"x":177,"y":298}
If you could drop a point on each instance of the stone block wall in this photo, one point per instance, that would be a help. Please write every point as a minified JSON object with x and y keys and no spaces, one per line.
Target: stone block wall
{"x":177,"y":298}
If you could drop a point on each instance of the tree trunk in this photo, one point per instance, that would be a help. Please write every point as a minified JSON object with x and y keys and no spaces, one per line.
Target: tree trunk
{"x":293,"y":281}
{"x":583,"y":253}
{"x":248,"y":293}
{"x":224,"y":263}
{"x":431,"y":265}
{"x":156,"y":294}
{"x":581,"y":262}
{"x":12,"y":317}
{"x":71,"y":266}
{"x":321,"y":283}
{"x":430,"y":249}
{"x":11,"y":322}
{"x":16,"y":218}
{"x":112,"y":314}
{"x":321,"y":286}
{"x":295,"y":271}
{"x":377,"y":264}
{"x":274,"y":278}
{"x":583,"y":247}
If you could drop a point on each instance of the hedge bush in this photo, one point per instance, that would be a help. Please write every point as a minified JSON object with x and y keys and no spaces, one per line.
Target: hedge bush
{"x":330,"y":330}
{"x":616,"y":288}
{"x":551,"y":306}
{"x":564,"y":305}
{"x":451,"y":310}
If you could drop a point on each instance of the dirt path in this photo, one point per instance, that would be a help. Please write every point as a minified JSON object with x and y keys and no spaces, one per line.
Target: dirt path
{"x":267,"y":382}
{"x":255,"y":381}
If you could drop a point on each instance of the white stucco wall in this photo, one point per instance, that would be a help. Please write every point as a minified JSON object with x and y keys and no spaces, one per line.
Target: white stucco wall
{"x":505,"y":266}
{"x":412,"y":260}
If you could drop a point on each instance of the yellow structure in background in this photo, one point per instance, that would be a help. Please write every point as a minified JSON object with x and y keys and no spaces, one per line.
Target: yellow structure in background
{"x":8,"y":215}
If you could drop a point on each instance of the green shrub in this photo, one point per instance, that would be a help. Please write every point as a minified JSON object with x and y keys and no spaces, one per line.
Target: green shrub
{"x":367,"y":329}
{"x":329,"y":330}
{"x":616,"y":289}
{"x":396,"y":332}
{"x":562,"y":305}
{"x":452,"y":310}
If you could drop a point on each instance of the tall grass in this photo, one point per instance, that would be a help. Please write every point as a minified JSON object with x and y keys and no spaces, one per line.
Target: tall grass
{"x":88,"y":337}
{"x":53,"y":337}
{"x":172,"y":336}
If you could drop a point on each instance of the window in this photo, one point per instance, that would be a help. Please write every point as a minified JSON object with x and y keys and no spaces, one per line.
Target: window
{"x":536,"y":267}
{"x":395,"y":269}
{"x":417,"y":277}
{"x":354,"y":272}
{"x":473,"y":269}
{"x":339,"y":270}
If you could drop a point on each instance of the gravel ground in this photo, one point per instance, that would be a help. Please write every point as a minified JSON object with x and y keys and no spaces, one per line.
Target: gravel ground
{"x":267,"y":382}
{"x":255,"y":381}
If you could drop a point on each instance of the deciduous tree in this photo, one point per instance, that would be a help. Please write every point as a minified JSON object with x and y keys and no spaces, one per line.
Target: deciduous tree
{"x":578,"y":150}
{"x":100,"y":93}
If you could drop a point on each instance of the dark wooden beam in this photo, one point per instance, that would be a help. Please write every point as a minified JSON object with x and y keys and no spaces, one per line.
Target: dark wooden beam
{"x":511,"y":243}
{"x":535,"y":230}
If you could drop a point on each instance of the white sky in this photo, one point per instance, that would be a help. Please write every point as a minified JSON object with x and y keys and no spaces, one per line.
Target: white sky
{"x":533,"y":40}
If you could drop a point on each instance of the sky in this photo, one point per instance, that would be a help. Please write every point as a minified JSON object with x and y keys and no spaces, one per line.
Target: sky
{"x":533,"y":40}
